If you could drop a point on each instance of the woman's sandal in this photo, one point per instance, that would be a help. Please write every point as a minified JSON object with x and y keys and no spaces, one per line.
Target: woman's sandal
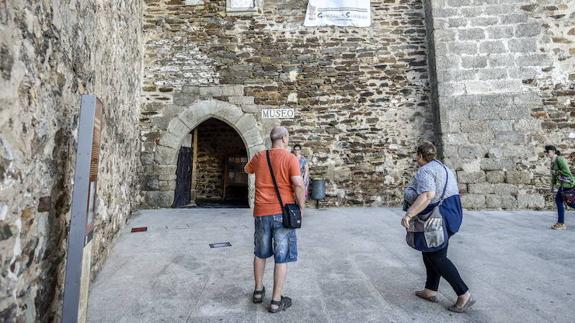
{"x":258,"y":296}
{"x":282,"y":304}
{"x":421,"y":294}
{"x":464,"y":308}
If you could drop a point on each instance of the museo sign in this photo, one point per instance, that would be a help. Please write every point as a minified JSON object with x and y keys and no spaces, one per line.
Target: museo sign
{"x":278,"y":113}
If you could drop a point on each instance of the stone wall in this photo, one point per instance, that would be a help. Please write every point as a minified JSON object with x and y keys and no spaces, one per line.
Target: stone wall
{"x":216,"y":141}
{"x":50,"y":54}
{"x":361,"y":95}
{"x":506,"y":86}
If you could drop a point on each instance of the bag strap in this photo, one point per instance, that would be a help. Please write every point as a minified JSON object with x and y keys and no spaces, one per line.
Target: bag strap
{"x":446,"y":179}
{"x":274,"y":179}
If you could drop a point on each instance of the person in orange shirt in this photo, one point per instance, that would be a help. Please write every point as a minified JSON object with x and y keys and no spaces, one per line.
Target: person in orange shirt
{"x":270,"y":237}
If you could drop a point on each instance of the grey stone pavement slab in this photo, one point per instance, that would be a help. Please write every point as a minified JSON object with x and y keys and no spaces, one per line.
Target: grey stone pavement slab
{"x":354,"y":266}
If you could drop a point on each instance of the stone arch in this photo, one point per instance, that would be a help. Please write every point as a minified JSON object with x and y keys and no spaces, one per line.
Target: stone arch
{"x":243,"y":123}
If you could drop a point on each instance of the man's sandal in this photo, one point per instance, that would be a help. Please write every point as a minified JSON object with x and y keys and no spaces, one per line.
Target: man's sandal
{"x":421,"y":294}
{"x":282,"y":304}
{"x":258,"y":296}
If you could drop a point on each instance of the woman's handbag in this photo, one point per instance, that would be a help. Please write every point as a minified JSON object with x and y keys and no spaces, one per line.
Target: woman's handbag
{"x":569,"y":196}
{"x":291,"y":213}
{"x":428,"y":232}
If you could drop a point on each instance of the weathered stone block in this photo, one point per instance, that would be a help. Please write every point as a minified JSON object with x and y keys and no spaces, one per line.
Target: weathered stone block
{"x":458,"y":48}
{"x":473,"y":201}
{"x":165,"y":155}
{"x":501,"y":60}
{"x":170,"y":140}
{"x":493,"y":74}
{"x":480,"y":188}
{"x":459,"y":3}
{"x":178,"y":128}
{"x":241,"y":100}
{"x":530,"y":201}
{"x":246,"y":123}
{"x":184,"y":98}
{"x":211,"y":91}
{"x":524,"y":45}
{"x":523,"y":73}
{"x":164,"y":169}
{"x":484,"y":21}
{"x":227,"y":112}
{"x":158,"y":198}
{"x":232,"y":90}
{"x":470,"y":177}
{"x":495,"y":176}
{"x":474,"y":61}
{"x":251,"y":108}
{"x":501,"y":202}
{"x":492,"y":47}
{"x":499,"y":32}
{"x":527,"y":30}
{"x":533,"y":60}
{"x":514,"y":18}
{"x":511,"y":137}
{"x":519,"y":177}
{"x":505,"y":189}
{"x":471,"y":152}
{"x":457,"y":22}
{"x":445,"y":35}
{"x":501,"y":125}
{"x":497,"y":164}
{"x":484,"y":137}
{"x":470,"y":34}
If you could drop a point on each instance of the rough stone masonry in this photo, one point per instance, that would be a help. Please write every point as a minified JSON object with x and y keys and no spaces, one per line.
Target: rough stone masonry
{"x":491,"y":81}
{"x":51,"y":52}
{"x":505,"y":83}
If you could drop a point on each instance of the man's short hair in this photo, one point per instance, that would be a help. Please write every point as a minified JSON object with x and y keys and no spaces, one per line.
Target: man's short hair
{"x":427,"y":150}
{"x":277,"y":133}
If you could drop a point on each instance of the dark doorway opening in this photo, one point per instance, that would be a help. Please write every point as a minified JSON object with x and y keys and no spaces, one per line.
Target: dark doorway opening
{"x":211,"y":173}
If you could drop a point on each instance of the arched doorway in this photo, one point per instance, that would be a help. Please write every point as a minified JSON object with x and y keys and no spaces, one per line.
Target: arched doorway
{"x":178,"y":132}
{"x":210,"y":168}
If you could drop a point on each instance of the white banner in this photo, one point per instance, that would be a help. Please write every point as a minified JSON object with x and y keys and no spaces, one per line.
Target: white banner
{"x":345,"y":13}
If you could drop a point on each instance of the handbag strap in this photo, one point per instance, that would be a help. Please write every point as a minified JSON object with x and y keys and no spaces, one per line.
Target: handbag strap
{"x":274,"y":179}
{"x":446,"y":179}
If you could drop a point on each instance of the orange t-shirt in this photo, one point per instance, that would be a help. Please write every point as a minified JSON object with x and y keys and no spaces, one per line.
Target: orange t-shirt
{"x":285,"y":166}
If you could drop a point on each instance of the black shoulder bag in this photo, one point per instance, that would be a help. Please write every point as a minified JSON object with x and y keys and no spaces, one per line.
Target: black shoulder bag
{"x":291,"y":213}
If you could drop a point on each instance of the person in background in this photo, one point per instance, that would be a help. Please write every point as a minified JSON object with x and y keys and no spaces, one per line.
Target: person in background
{"x":562,"y":178}
{"x":303,"y":166}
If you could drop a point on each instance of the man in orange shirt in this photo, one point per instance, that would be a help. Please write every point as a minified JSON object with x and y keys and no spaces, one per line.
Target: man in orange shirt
{"x":270,"y":237}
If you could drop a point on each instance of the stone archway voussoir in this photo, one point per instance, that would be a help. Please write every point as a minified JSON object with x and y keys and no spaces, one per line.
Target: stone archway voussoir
{"x":165,"y":155}
{"x":246,"y":123}
{"x":252,"y":138}
{"x":228,"y":113}
{"x":178,"y":128}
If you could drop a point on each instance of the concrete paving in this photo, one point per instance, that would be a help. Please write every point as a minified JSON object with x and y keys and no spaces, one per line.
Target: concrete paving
{"x":354,"y":266}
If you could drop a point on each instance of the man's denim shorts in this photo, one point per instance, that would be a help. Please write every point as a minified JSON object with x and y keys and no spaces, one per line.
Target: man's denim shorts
{"x":271,"y":238}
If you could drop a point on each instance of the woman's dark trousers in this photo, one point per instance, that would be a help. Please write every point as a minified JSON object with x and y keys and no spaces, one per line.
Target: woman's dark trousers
{"x":437,"y":265}
{"x":560,"y":207}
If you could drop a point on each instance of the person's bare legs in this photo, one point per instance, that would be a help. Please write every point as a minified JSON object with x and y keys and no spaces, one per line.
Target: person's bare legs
{"x":280,"y":273}
{"x":259,"y":269}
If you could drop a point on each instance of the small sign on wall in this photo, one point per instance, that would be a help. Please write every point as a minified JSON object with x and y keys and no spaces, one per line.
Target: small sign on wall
{"x":278,"y":113}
